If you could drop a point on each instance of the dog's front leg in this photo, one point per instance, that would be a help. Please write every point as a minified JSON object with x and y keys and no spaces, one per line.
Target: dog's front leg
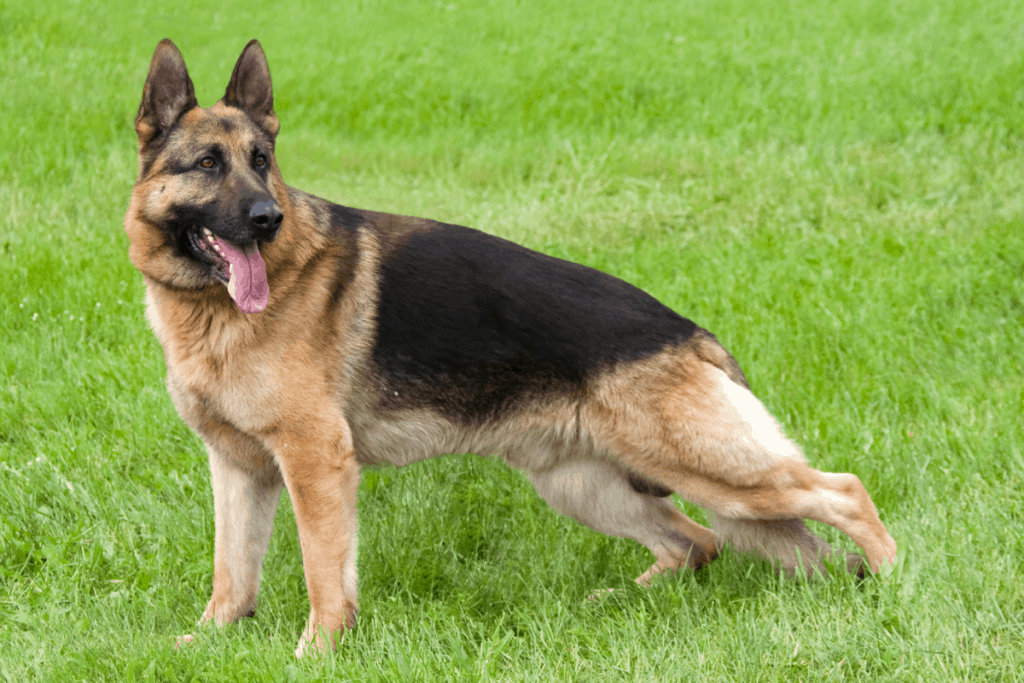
{"x":246,"y":489}
{"x":321,"y":474}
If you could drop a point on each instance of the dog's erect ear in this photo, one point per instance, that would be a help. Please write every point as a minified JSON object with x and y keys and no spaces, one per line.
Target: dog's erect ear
{"x":249,"y":89}
{"x":167,"y":95}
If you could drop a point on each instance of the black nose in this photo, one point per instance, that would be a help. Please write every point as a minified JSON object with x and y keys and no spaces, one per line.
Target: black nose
{"x":266,"y":218}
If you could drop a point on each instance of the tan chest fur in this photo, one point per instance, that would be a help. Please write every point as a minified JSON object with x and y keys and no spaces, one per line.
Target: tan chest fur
{"x":252,"y":376}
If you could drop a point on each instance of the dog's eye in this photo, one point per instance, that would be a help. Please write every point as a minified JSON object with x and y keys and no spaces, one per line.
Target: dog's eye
{"x":261,"y":160}
{"x":208,"y":162}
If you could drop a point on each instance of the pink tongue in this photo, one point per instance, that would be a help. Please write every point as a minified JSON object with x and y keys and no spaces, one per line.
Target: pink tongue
{"x":247,"y":283}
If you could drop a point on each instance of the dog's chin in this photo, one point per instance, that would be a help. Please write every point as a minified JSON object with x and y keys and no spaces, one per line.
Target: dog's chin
{"x":211,"y":264}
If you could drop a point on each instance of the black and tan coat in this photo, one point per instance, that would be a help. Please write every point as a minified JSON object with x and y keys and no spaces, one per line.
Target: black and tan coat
{"x":304,"y":339}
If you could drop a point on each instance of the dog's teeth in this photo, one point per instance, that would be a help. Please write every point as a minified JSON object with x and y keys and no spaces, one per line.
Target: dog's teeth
{"x":206,"y":231}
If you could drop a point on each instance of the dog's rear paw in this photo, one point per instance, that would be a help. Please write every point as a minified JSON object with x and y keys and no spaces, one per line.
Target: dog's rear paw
{"x":855,"y":564}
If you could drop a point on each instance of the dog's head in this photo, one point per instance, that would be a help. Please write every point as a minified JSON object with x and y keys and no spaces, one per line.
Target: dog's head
{"x":209,"y":193}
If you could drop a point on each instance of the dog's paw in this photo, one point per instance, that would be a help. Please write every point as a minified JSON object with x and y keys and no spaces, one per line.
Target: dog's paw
{"x":182,"y":641}
{"x":599,"y":593}
{"x":222,"y":611}
{"x":321,"y":638}
{"x":315,"y":645}
{"x":856,"y":564}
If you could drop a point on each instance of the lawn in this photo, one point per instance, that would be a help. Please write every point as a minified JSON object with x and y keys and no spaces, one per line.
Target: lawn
{"x":834,"y":189}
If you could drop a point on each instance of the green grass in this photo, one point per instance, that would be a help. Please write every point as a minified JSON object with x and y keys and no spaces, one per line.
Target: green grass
{"x":834,"y":189}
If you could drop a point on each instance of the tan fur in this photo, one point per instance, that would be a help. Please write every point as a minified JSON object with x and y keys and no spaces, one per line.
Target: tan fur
{"x":290,"y":398}
{"x":712,"y":442}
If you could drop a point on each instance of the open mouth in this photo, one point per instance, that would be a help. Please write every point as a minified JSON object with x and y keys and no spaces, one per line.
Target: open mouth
{"x":239,"y":266}
{"x":208,"y":251}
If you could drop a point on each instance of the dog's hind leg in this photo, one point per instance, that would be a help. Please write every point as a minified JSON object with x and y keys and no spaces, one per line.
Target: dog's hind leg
{"x":695,"y":430}
{"x":787,"y":542}
{"x":761,"y":516}
{"x":599,"y":495}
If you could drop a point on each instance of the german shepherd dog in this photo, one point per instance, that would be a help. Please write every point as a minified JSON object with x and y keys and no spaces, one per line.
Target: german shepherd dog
{"x":304,"y":339}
